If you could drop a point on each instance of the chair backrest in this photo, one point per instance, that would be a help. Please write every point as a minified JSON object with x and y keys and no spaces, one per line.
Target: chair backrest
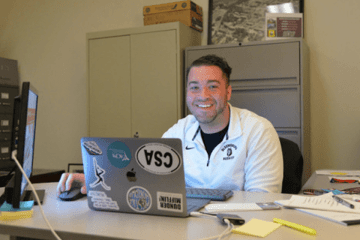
{"x":293,"y":166}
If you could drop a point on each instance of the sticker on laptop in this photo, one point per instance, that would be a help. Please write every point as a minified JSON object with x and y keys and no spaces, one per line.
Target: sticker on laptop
{"x":139,"y":199}
{"x":99,"y":173}
{"x":172,"y":202}
{"x":158,"y":158}
{"x":92,"y":148}
{"x":102,"y":201}
{"x":119,"y":154}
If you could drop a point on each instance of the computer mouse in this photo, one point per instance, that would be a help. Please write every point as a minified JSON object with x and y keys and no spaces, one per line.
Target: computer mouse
{"x":72,"y":195}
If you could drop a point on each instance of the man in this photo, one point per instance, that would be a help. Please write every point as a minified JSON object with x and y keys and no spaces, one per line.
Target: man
{"x":223,"y":147}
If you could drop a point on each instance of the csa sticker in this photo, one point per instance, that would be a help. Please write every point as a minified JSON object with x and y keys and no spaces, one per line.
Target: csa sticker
{"x":100,"y":200}
{"x":119,"y":154}
{"x":158,"y":158}
{"x":139,"y":199}
{"x":172,"y":202}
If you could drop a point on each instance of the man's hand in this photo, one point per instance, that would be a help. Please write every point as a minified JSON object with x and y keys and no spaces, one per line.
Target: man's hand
{"x":67,"y":180}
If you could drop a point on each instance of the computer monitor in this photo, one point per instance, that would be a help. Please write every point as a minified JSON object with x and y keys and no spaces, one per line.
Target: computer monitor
{"x":23,"y":140}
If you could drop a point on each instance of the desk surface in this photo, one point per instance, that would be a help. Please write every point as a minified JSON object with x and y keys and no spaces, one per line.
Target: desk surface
{"x":74,"y":220}
{"x":322,"y":181}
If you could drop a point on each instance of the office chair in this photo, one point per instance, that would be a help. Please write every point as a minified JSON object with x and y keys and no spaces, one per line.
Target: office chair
{"x":293,"y":166}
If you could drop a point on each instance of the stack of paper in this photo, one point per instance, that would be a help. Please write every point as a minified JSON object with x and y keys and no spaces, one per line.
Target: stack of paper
{"x":324,"y":206}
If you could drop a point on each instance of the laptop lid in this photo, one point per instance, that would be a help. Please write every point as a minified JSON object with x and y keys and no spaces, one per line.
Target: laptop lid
{"x":135,"y":175}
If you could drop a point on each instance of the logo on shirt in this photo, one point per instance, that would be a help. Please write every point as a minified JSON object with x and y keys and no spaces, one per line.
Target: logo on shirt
{"x":189,"y":148}
{"x":229,"y":148}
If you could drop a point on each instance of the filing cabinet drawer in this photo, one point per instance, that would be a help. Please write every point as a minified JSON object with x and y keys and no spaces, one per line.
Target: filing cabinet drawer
{"x":272,"y":64}
{"x":281,"y":106}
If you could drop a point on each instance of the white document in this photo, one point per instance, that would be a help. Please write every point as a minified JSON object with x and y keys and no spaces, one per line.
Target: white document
{"x":339,"y":217}
{"x":322,"y":202}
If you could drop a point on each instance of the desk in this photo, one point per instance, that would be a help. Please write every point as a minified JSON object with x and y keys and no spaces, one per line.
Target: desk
{"x":322,"y":181}
{"x":74,"y":220}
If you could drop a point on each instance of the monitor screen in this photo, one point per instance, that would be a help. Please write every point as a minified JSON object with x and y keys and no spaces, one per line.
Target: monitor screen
{"x":24,"y":138}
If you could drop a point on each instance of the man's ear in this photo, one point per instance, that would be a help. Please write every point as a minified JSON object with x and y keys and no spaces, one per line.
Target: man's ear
{"x":229,"y":91}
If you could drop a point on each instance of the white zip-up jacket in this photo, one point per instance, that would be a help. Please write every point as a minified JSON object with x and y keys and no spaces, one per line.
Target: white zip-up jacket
{"x":248,"y":158}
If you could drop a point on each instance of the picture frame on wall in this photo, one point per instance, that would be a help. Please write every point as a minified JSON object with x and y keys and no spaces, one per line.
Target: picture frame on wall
{"x":238,"y":21}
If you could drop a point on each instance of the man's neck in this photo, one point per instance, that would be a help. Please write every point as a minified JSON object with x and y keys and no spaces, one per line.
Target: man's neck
{"x":218,"y":124}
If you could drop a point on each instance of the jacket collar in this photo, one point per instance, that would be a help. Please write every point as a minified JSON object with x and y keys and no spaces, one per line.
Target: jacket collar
{"x":234,"y":130}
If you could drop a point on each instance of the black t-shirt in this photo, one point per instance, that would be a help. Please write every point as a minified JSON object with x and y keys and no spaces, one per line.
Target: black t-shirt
{"x":213,"y":139}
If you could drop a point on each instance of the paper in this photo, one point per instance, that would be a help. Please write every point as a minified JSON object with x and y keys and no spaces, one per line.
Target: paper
{"x":256,"y":227}
{"x":24,"y":206}
{"x":322,"y":202}
{"x":14,"y":215}
{"x":339,"y":217}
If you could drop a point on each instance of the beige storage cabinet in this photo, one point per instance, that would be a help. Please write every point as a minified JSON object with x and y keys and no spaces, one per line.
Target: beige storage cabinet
{"x":135,"y":79}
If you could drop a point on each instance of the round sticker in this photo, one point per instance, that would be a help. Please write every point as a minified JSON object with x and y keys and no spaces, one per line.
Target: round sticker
{"x":119,"y":154}
{"x":158,"y":158}
{"x":139,"y":199}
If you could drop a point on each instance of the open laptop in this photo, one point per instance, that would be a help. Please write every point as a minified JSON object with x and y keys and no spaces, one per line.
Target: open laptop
{"x":137,"y":175}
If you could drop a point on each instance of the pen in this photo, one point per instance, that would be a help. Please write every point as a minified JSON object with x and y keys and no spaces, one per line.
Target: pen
{"x":343,"y":202}
{"x":295,"y":226}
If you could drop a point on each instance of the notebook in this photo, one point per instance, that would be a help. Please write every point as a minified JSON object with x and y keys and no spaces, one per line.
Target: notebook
{"x":137,"y":175}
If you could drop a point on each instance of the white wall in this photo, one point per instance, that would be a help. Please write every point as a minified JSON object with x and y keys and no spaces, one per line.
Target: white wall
{"x":331,"y":32}
{"x":47,"y":37}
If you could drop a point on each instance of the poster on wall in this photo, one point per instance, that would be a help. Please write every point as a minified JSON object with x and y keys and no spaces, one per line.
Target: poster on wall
{"x":283,"y":26}
{"x":235,"y":21}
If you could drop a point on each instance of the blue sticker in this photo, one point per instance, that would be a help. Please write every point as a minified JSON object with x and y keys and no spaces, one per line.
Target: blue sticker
{"x":139,"y":199}
{"x":119,"y":154}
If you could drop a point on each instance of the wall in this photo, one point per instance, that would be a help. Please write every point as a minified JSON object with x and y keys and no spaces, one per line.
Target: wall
{"x":48,"y":40}
{"x":332,"y":37}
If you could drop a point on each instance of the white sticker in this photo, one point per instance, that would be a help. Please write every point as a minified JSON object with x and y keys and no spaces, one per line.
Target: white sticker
{"x":4,"y":150}
{"x":5,"y":123}
{"x":158,"y":158}
{"x":100,"y":200}
{"x":4,"y":95}
{"x":172,"y":202}
{"x":99,"y":173}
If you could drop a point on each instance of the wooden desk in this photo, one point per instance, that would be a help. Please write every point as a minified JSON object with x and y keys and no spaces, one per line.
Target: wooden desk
{"x":74,"y":220}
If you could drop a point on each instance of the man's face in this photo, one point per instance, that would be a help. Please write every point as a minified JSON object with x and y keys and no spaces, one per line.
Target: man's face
{"x":207,"y":94}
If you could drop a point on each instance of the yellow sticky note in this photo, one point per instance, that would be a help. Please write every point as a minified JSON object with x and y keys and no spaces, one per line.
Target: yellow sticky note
{"x":256,"y":227}
{"x":6,"y":216}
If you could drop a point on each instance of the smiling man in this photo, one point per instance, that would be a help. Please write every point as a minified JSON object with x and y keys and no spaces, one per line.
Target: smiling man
{"x":225,"y":147}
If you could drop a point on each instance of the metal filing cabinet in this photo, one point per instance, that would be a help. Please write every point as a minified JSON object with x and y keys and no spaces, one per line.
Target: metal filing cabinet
{"x":9,"y":89}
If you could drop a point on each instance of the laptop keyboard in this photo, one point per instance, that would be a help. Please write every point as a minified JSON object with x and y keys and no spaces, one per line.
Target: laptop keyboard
{"x":212,"y":194}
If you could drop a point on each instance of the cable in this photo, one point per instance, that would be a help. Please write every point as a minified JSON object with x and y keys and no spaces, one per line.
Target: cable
{"x":227,"y":231}
{"x":13,"y":155}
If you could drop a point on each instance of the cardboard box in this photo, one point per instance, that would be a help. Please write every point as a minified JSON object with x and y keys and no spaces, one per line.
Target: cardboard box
{"x":185,"y":12}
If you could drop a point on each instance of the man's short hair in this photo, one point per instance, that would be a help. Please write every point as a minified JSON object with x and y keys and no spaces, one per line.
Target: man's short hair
{"x":211,"y":60}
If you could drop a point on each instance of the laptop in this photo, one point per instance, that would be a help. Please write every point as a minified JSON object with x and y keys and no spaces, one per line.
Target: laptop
{"x":137,"y":175}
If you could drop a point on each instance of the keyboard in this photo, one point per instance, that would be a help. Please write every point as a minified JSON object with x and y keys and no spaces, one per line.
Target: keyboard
{"x":212,"y":194}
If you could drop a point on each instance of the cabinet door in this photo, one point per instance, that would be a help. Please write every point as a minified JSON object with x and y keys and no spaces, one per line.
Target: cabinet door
{"x":109,"y":87}
{"x":154,"y":86}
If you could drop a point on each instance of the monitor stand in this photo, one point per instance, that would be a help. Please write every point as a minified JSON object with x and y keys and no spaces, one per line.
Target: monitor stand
{"x":30,"y":196}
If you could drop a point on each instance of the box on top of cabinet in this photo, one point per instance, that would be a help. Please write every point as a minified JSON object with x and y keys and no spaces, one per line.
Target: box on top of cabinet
{"x":185,"y":12}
